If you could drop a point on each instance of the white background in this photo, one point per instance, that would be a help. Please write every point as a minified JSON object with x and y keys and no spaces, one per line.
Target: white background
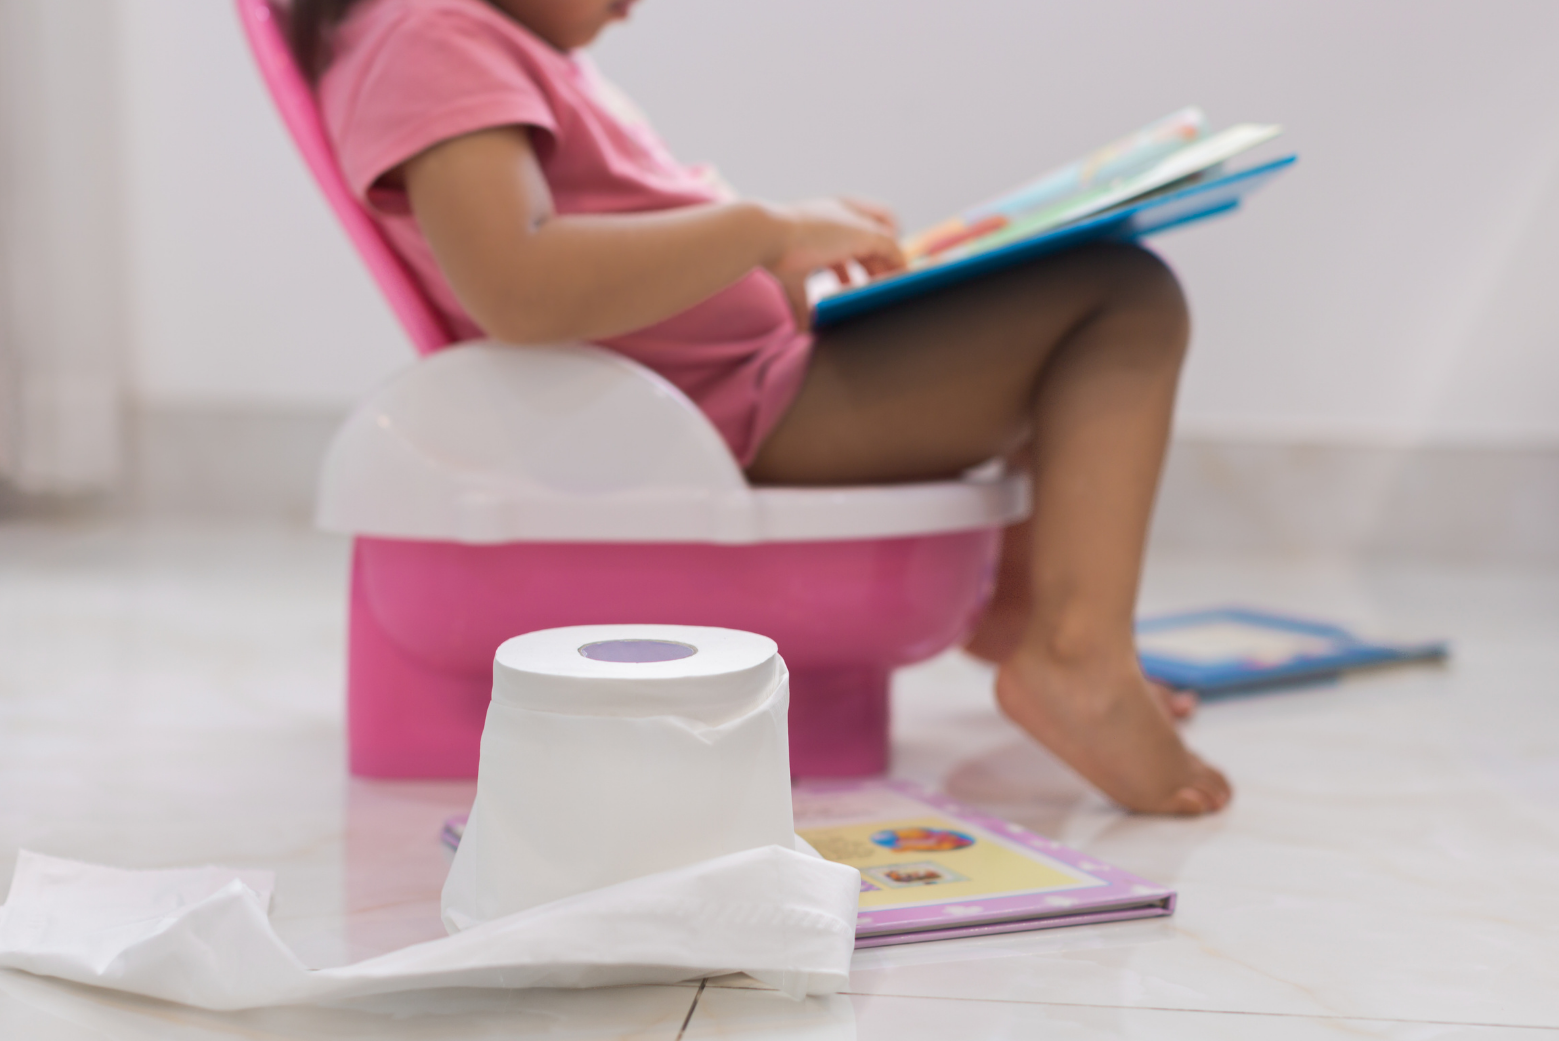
{"x":1401,"y":285}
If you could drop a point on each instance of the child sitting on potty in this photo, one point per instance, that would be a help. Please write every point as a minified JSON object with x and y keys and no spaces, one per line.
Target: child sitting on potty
{"x":534,"y":206}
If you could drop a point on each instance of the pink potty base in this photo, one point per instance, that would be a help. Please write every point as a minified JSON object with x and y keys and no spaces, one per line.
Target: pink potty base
{"x":427,"y":617}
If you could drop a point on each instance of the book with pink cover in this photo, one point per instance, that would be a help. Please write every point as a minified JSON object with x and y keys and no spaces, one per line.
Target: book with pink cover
{"x":932,"y":868}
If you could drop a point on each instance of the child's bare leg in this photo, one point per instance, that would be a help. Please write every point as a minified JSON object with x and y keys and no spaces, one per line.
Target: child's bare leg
{"x":1101,"y":426}
{"x":1080,"y":355}
{"x":1005,"y":623}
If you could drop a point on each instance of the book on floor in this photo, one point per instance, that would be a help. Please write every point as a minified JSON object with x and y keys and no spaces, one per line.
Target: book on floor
{"x":933,"y":868}
{"x":1228,"y":650}
{"x":1166,"y":174}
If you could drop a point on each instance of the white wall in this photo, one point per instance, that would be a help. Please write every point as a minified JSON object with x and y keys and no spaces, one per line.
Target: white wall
{"x":62,"y":300}
{"x":244,"y":291}
{"x":1396,"y":287}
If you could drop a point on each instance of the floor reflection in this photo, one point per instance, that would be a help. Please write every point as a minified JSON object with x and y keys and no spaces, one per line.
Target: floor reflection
{"x":395,"y":863}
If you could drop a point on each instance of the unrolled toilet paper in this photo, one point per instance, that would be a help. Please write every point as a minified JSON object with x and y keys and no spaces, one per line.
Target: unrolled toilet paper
{"x":200,"y":936}
{"x":632,"y":825}
{"x":613,"y":752}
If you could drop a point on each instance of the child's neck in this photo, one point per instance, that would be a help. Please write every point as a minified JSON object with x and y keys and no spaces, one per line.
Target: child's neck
{"x":565,"y":27}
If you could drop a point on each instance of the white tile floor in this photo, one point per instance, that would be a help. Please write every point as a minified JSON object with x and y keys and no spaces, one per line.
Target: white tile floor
{"x":172,"y":695}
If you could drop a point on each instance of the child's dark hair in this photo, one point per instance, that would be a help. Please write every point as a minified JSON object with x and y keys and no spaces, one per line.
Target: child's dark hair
{"x":309,"y":23}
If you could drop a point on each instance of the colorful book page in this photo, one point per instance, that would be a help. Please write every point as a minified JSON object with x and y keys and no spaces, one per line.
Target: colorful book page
{"x":1103,"y":168}
{"x":932,"y":868}
{"x":929,"y":859}
{"x":1172,"y":207}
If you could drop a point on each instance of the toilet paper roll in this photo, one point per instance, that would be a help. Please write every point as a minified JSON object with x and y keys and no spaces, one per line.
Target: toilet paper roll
{"x":612,"y":752}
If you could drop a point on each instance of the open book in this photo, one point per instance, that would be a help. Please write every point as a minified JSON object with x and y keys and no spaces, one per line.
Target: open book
{"x":1168,"y":173}
{"x":934,"y":869}
{"x":1228,"y":650}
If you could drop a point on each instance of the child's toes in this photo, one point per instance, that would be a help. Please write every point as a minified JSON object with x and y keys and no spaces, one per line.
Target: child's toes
{"x":1208,"y":792}
{"x":1189,"y":801}
{"x":1180,"y":704}
{"x":1213,"y":785}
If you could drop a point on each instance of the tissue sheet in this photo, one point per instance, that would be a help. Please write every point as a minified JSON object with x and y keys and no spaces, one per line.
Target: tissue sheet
{"x":667,"y":749}
{"x":201,"y":936}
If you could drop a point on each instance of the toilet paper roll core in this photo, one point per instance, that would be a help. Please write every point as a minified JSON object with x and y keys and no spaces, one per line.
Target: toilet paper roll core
{"x":637,"y":651}
{"x":697,"y":672}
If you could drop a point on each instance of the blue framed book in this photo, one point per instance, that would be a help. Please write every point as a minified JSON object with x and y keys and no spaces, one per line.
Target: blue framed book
{"x":1227,"y":650}
{"x":1133,"y":220}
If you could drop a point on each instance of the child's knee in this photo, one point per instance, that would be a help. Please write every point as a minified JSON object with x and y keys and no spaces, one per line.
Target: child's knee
{"x":1140,"y":274}
{"x":1139,"y":281}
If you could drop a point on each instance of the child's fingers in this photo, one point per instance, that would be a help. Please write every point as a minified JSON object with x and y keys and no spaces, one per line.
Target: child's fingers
{"x":884,"y":257}
{"x":878,"y":247}
{"x":829,"y":233}
{"x":876,"y":212}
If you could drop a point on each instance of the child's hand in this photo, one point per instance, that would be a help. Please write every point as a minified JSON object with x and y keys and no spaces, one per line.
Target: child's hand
{"x":832,"y":233}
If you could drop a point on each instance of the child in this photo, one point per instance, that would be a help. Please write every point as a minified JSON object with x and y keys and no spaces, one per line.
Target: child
{"x":535,"y":207}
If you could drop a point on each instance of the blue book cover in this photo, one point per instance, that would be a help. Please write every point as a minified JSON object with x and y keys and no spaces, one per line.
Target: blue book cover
{"x":1230,"y":649}
{"x":1170,"y":208}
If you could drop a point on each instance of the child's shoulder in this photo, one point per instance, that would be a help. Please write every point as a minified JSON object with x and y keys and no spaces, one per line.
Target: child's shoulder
{"x":417,"y":34}
{"x":407,"y":74}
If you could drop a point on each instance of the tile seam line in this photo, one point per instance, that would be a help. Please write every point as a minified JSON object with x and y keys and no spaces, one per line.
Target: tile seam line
{"x":682,"y":1031}
{"x":1195,"y":1011}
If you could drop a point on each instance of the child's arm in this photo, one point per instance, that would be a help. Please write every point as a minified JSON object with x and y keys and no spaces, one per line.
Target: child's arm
{"x":527,"y":275}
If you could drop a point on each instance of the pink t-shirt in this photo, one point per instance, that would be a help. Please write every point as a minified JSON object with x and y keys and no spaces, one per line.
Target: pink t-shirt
{"x":408,"y":74}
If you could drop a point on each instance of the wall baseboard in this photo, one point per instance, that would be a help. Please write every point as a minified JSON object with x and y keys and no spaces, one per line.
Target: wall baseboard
{"x":1483,"y":505}
{"x":249,"y":464}
{"x":228,"y":463}
{"x":254,"y":465}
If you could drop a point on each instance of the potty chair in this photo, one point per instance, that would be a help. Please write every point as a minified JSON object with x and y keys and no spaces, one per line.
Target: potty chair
{"x":492,"y":490}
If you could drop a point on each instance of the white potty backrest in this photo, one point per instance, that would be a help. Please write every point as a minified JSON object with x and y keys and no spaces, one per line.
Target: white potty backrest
{"x":487,"y":443}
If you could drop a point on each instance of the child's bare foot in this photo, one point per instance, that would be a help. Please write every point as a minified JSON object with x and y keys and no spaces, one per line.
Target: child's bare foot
{"x":1106,"y":723}
{"x":1180,"y":704}
{"x":1000,"y":634}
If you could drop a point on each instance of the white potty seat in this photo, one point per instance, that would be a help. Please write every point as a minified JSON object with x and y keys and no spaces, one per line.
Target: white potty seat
{"x":486,"y":443}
